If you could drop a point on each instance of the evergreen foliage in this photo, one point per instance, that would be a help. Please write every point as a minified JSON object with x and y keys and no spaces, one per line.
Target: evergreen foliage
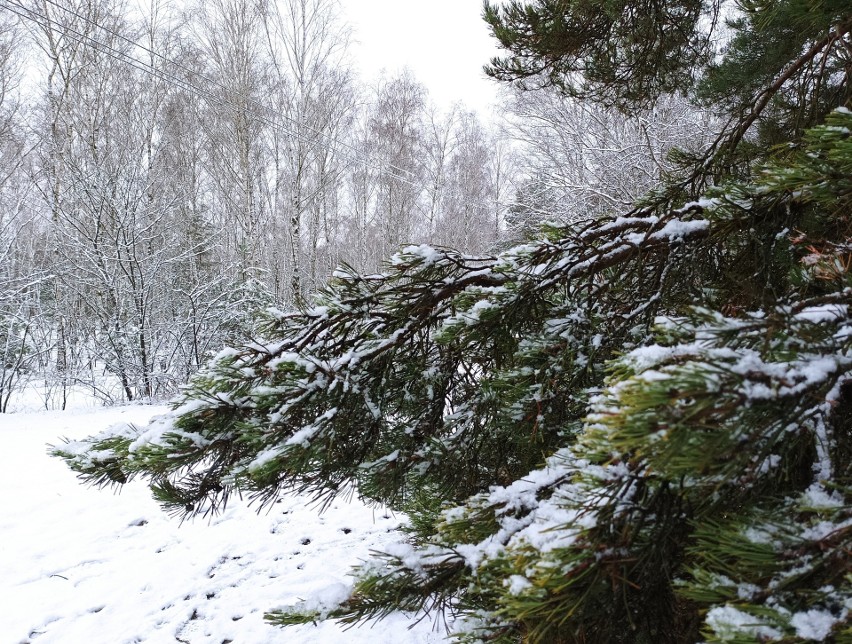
{"x":636,"y":429}
{"x":618,"y":52}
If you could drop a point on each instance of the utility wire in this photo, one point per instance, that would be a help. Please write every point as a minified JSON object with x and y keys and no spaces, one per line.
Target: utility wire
{"x":192,"y":88}
{"x":204,"y":78}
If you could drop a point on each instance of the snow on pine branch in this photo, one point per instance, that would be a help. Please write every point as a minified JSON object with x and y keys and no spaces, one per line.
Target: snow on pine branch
{"x":267,"y":415}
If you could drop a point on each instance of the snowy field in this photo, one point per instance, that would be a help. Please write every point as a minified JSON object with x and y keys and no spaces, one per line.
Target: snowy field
{"x":88,"y":566}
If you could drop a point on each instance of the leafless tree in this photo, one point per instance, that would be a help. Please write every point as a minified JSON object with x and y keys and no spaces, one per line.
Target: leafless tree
{"x":581,"y":161}
{"x":314,"y":107}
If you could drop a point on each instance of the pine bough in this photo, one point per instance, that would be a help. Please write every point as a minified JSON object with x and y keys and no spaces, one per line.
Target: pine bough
{"x":634,"y":431}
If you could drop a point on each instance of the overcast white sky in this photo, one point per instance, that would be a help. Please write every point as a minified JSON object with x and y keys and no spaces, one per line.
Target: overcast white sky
{"x":445,"y":43}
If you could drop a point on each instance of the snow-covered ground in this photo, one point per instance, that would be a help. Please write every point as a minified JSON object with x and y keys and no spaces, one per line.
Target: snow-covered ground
{"x":89,"y":566}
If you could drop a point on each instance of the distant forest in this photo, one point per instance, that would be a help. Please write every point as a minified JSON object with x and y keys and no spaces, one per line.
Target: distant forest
{"x":165,"y":175}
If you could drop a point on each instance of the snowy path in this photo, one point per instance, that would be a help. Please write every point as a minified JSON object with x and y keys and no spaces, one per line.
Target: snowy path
{"x":87,"y":566}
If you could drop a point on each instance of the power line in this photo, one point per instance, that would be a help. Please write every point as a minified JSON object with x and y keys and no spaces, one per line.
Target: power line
{"x":332,"y":144}
{"x":193,"y":88}
{"x":207,"y":79}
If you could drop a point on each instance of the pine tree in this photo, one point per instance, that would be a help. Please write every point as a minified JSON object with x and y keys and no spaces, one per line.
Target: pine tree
{"x":635,"y":429}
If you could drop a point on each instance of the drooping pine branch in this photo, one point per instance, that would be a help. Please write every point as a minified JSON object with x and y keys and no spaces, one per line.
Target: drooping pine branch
{"x":578,"y":416}
{"x":396,"y":380}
